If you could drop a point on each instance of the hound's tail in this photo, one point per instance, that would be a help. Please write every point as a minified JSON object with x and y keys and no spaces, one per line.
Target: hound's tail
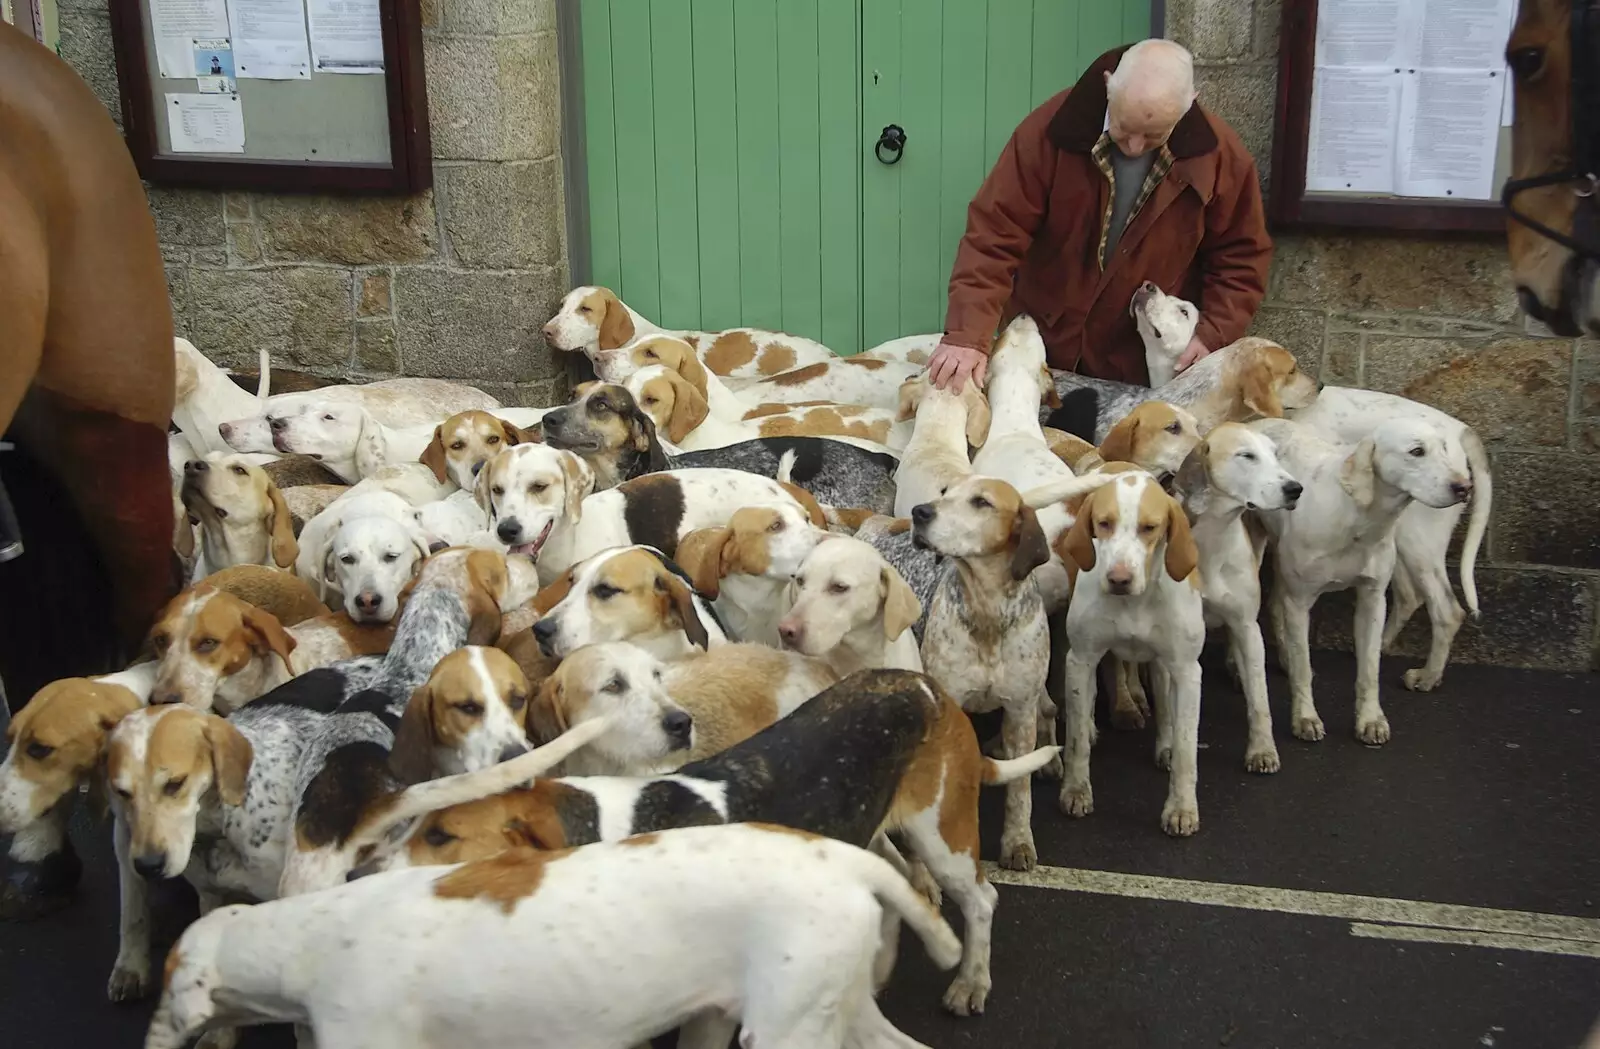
{"x":264,"y":378}
{"x":1052,"y":492}
{"x":786,"y":461}
{"x":1478,"y":523}
{"x":896,"y":894}
{"x":998,"y":772}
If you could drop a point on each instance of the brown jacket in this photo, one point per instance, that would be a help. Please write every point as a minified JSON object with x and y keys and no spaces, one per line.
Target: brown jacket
{"x":1034,"y":232}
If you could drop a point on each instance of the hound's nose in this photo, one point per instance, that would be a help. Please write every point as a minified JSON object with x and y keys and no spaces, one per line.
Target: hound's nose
{"x":790,"y":634}
{"x":150,"y":865}
{"x":278,"y":423}
{"x":509,"y":530}
{"x":544,"y":632}
{"x":1292,"y":490}
{"x":1461,"y":489}
{"x":1119,"y":579}
{"x":549,"y":330}
{"x":922,"y":513}
{"x":476,"y":467}
{"x":368,"y":602}
{"x":1149,"y":288}
{"x":196,"y":466}
{"x":225,"y":429}
{"x":437,"y":545}
{"x":679,"y":726}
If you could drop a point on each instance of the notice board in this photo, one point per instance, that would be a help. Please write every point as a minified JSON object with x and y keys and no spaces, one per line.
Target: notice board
{"x":1393,"y":114}
{"x":284,"y":95}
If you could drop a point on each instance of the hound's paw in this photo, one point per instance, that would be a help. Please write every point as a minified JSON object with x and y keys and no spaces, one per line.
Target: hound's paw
{"x":1179,"y":821}
{"x":1373,"y":731}
{"x":129,"y":983}
{"x":1128,"y":718}
{"x":1019,"y":855}
{"x":922,"y":880}
{"x":1262,"y":759}
{"x":1164,"y":758}
{"x":1077,"y":801}
{"x":966,"y":996}
{"x":1309,"y":729}
{"x":1419,"y":680}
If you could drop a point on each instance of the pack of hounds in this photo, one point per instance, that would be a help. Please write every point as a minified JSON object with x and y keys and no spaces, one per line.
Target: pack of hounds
{"x":564,"y":727}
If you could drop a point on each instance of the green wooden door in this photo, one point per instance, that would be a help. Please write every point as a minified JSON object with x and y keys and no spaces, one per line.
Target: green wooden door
{"x":729,"y":148}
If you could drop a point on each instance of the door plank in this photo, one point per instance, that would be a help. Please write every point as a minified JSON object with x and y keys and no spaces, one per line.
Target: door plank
{"x":1009,"y":84}
{"x":799,"y":169}
{"x":1055,"y":46}
{"x":600,"y":147}
{"x":755,"y":45}
{"x":839,"y":151}
{"x":636,"y":156}
{"x":963,"y":165}
{"x":880,"y":183}
{"x":922,"y":115}
{"x":677,"y":205}
{"x":716,"y":165}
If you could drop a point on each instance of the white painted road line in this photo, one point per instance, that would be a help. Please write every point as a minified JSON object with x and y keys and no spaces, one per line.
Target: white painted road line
{"x":1460,"y":937}
{"x":1369,"y":909}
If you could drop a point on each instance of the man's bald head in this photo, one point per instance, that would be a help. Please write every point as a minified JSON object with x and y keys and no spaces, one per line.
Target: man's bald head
{"x":1148,"y":93}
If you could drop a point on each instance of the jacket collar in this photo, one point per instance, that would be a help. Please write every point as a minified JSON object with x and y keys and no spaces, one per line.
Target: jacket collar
{"x":1080,"y":121}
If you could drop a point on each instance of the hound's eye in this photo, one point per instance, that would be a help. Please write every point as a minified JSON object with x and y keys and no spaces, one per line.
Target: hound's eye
{"x":1418,"y":452}
{"x":538,"y":486}
{"x":838,"y":588}
{"x":1526,"y":62}
{"x":980,"y":503}
{"x":124,"y":793}
{"x":347,"y":559}
{"x":1174,"y":427}
{"x":648,"y":401}
{"x":493,"y":438}
{"x":438,"y":837}
{"x":238,"y":470}
{"x":656,"y":674}
{"x":174,"y":786}
{"x":604,"y":591}
{"x":160,"y":642}
{"x":942,"y":491}
{"x":497,"y":491}
{"x":516,"y":701}
{"x":614,"y":686}
{"x":39,"y":751}
{"x":776,"y":526}
{"x":221,"y":513}
{"x":650,"y":353}
{"x":329,"y":418}
{"x":390,"y":559}
{"x":1104,"y":526}
{"x":1248,"y":457}
{"x":1146,"y":528}
{"x":471,"y":708}
{"x":1184,"y":310}
{"x":206,"y":644}
{"x":456,"y":446}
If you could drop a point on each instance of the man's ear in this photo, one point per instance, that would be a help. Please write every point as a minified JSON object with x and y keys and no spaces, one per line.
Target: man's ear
{"x":1356,"y":473}
{"x":280,"y":525}
{"x":1028,"y":547}
{"x":901,"y":608}
{"x":411,"y":756}
{"x":700,"y":554}
{"x":433,"y":456}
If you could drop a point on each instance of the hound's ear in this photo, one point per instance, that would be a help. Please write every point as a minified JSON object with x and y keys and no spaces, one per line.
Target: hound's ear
{"x":1047,"y":384}
{"x":808,"y":503}
{"x":1028,"y":547}
{"x":1258,"y":389}
{"x":700,"y":553}
{"x":1118,"y":445}
{"x":978,"y":418}
{"x":645,"y":440}
{"x":579,"y":482}
{"x":487,"y":579}
{"x":281,"y":526}
{"x":689,"y":408}
{"x":1192,"y":486}
{"x":616,"y":327}
{"x":900,"y":605}
{"x":411,"y":757}
{"x":1356,"y":473}
{"x":1183,"y":556}
{"x":433,"y":456}
{"x":682,"y":599}
{"x":1078,"y":545}
{"x":547,"y":711}
{"x":550,"y":596}
{"x":268,"y":635}
{"x":231,"y":755}
{"x":910,"y":397}
{"x":515,"y":435}
{"x":480,"y":491}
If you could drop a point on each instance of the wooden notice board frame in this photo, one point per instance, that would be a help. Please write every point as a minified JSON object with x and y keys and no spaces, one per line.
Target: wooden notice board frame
{"x":1289,"y":205}
{"x":403,"y":122}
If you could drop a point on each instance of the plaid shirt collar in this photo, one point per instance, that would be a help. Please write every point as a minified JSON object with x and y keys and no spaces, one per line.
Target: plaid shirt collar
{"x":1102,"y":160}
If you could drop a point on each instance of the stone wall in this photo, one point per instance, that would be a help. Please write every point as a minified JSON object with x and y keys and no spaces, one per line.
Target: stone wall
{"x":1435,"y":320}
{"x":453,"y":283}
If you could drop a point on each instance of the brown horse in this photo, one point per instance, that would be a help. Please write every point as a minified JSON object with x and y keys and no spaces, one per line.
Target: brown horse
{"x":86,"y":392}
{"x":1555,"y":284}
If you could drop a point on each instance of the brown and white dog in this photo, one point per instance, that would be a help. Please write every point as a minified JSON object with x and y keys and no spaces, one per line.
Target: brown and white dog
{"x":630,"y":593}
{"x":852,"y":609}
{"x":665,"y":714}
{"x":746,"y":566}
{"x":242,"y":516}
{"x":465,"y":441}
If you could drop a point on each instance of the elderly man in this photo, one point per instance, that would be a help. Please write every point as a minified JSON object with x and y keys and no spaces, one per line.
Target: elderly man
{"x":1121,"y":179}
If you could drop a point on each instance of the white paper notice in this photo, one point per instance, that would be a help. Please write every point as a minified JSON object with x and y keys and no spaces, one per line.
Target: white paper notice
{"x":205,"y":123}
{"x":1464,"y":34}
{"x":269,"y":39}
{"x":176,"y":25}
{"x":346,"y":36}
{"x":1449,"y":134}
{"x":1353,"y":116}
{"x":1365,"y":32}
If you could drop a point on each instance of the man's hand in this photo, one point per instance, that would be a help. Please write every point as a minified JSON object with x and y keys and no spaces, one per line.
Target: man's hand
{"x":1193,"y":352}
{"x":951,"y":367}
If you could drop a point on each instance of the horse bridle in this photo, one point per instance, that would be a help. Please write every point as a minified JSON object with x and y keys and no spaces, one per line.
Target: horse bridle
{"x":1583,"y":173}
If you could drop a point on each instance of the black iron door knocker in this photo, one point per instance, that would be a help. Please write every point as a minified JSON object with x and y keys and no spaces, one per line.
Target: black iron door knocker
{"x":893,"y":139}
